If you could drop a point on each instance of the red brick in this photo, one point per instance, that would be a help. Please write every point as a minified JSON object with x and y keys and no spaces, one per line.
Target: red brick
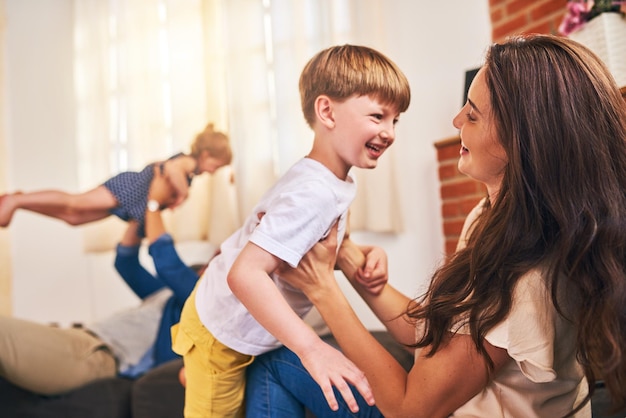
{"x":451,"y":246}
{"x":458,"y":189}
{"x":450,"y":210}
{"x":448,"y":152}
{"x":547,"y":8}
{"x":497,"y":15}
{"x":508,"y":27}
{"x":516,"y":6}
{"x":448,"y":171}
{"x":453,"y":227}
{"x":543,"y":27}
{"x":494,"y":3}
{"x":466,"y":206}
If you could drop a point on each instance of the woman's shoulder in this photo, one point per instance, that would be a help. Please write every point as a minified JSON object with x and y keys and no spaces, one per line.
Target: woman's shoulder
{"x":469,"y":222}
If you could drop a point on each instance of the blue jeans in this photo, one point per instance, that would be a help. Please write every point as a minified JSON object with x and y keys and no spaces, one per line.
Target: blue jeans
{"x":278,"y":386}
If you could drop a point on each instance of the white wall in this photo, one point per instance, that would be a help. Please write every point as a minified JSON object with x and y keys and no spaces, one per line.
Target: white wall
{"x":433,"y":42}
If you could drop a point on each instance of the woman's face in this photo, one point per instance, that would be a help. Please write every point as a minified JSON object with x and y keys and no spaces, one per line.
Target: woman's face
{"x":482,"y":156}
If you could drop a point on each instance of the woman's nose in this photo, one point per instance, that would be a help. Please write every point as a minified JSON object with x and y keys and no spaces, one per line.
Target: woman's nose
{"x":457,"y":121}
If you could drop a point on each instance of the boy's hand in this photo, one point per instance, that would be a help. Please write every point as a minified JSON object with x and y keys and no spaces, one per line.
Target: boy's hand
{"x":350,"y":258}
{"x":374,"y":275}
{"x":366,"y":269}
{"x":330,"y":368}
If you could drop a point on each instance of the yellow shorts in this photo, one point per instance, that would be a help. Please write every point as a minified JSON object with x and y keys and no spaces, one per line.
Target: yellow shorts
{"x":215,"y":373}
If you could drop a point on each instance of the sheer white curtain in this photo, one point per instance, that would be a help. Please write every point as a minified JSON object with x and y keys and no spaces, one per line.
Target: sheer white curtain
{"x":143,"y":92}
{"x":152,"y":73}
{"x":268,"y":43}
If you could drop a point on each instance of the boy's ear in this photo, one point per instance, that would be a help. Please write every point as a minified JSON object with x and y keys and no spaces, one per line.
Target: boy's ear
{"x":324,"y":111}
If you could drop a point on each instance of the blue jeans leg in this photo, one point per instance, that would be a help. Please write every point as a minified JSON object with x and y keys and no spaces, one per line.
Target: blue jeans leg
{"x":278,"y":386}
{"x":266,"y":396}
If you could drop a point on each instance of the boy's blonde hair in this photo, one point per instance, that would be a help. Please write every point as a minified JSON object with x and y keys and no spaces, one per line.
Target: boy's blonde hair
{"x":341,"y":72}
{"x":216,"y":143}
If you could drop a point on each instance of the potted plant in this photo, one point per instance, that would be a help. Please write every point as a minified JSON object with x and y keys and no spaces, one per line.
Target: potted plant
{"x":579,"y":12}
{"x":601,"y":26}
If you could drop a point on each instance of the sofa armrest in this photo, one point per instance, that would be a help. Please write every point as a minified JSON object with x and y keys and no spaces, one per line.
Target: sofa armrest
{"x":158,"y":393}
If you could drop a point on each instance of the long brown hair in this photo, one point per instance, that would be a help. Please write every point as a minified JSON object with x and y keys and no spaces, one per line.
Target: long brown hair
{"x":562,"y":205}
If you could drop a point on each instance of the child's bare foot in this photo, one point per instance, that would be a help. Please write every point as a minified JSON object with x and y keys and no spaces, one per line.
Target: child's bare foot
{"x":7,"y":208}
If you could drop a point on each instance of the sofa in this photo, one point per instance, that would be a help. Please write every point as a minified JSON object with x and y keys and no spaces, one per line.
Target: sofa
{"x":158,"y":394}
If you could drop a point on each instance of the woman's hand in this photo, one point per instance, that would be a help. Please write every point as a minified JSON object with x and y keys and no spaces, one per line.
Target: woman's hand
{"x":331,"y":369}
{"x":316,"y":268}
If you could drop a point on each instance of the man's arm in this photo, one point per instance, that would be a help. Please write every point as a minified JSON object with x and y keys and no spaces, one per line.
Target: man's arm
{"x":141,"y":282}
{"x":171,"y":270}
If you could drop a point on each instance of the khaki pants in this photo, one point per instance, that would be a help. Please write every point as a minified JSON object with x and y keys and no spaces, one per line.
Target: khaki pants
{"x":215,"y":374}
{"x":48,"y":360}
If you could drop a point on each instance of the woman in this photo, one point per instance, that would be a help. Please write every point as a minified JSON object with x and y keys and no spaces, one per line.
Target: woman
{"x":531,"y":309}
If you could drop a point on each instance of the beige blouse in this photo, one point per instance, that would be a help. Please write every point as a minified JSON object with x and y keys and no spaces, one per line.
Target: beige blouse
{"x":542,"y":378}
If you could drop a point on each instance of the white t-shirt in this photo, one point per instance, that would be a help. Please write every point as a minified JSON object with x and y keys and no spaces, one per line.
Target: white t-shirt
{"x":300,"y":208}
{"x":543,"y":377}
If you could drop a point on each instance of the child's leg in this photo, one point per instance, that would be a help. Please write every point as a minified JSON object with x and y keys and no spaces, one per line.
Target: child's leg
{"x":75,"y":209}
{"x":214,"y":374}
{"x":215,"y":381}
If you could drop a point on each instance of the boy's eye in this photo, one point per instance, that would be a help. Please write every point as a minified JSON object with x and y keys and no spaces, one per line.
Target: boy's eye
{"x":378,"y":116}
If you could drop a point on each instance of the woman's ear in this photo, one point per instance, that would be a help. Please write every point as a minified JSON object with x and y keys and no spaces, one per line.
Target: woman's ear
{"x":324,"y":111}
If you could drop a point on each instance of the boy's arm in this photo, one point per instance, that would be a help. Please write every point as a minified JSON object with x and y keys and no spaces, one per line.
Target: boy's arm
{"x":250,"y":282}
{"x":366,"y":266}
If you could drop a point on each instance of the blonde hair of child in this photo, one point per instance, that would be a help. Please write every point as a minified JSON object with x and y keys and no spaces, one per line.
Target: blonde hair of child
{"x":216,"y":143}
{"x":341,"y":72}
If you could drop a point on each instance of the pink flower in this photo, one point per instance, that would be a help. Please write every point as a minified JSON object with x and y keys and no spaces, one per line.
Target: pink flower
{"x":575,"y":17}
{"x":580,"y":12}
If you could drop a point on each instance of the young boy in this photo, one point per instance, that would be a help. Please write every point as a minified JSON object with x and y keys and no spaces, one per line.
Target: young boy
{"x":351,"y":97}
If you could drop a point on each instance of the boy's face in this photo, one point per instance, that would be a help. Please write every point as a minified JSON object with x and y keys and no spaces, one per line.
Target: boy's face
{"x":364,"y":129}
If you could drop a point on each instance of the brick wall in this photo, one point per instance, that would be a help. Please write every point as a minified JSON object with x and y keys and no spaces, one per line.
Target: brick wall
{"x":459,"y":194}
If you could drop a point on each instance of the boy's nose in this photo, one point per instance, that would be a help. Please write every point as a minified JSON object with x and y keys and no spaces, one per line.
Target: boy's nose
{"x":387,"y":140}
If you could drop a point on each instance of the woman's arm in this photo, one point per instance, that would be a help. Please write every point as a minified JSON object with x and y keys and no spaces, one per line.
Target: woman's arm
{"x":366,"y":269}
{"x":435,"y":386}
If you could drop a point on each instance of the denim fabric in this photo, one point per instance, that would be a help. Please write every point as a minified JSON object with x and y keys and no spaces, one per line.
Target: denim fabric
{"x":171,"y":272}
{"x":278,"y":386}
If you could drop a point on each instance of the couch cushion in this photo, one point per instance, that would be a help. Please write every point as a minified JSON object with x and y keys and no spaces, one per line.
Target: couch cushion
{"x":105,"y":398}
{"x":158,"y":393}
